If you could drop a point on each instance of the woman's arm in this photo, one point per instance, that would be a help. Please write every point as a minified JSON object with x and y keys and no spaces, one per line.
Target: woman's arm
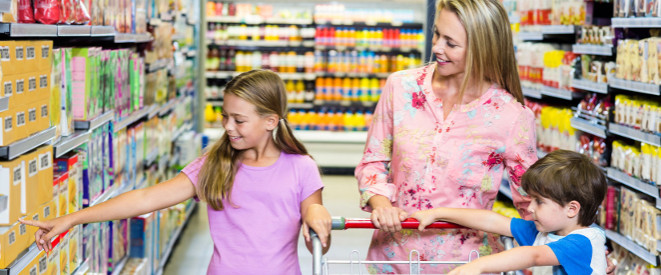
{"x":513,"y":259}
{"x":521,"y":153}
{"x":130,"y":204}
{"x":316,"y":217}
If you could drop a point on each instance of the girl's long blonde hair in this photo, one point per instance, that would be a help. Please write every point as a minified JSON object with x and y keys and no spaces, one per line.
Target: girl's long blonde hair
{"x":490,"y":53}
{"x":266,"y":91}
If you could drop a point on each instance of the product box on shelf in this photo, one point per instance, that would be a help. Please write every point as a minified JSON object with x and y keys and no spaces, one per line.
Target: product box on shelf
{"x":69,"y":164}
{"x":33,"y":267}
{"x":101,"y":254}
{"x":45,"y":50}
{"x":43,"y":84}
{"x":31,"y":62}
{"x":12,"y":174}
{"x":85,"y":93}
{"x":8,"y":132}
{"x":108,"y":173}
{"x":75,"y":247}
{"x":19,"y":57}
{"x":44,"y":212}
{"x":63,"y":193}
{"x":65,"y":88}
{"x":20,"y":83}
{"x":10,"y":244}
{"x":65,"y":268}
{"x":142,"y":243}
{"x":118,"y":245}
{"x":53,"y":260}
{"x":45,"y":176}
{"x":30,"y":203}
{"x":7,"y":56}
{"x":90,"y":245}
{"x":21,"y":122}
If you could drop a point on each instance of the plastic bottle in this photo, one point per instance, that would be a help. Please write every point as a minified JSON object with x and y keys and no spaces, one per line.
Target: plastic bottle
{"x":300,"y":91}
{"x":291,"y":91}
{"x":348,"y":90}
{"x":375,"y":90}
{"x":358,"y":121}
{"x":209,"y":115}
{"x":338,"y":89}
{"x":348,"y":120}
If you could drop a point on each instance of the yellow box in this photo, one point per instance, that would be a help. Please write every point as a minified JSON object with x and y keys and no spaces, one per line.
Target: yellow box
{"x":64,"y":255}
{"x":8,"y":127}
{"x":46,"y":211}
{"x":31,"y":61}
{"x":8,"y":236}
{"x":32,"y":93}
{"x":7,"y":57}
{"x":43,"y":85}
{"x":43,"y":110}
{"x":75,"y":247}
{"x":12,"y":175}
{"x":62,"y":180}
{"x":32,"y":118}
{"x":32,"y":267}
{"x":45,"y":52}
{"x":9,"y":89}
{"x":29,"y":203}
{"x":21,"y":119}
{"x":20,"y":89}
{"x":19,"y":57}
{"x":45,"y":176}
{"x":53,"y":261}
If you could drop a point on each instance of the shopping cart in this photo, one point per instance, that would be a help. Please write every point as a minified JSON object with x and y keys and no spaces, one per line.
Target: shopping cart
{"x":321,"y":265}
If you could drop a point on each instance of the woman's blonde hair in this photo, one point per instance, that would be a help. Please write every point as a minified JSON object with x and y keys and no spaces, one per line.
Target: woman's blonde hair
{"x":266,"y":91}
{"x":490,"y":53}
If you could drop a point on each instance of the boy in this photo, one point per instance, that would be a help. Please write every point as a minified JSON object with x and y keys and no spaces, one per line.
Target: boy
{"x":566,"y":190}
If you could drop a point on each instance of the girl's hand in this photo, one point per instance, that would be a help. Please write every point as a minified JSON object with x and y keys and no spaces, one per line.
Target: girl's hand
{"x":317,"y":218}
{"x":388,"y":218}
{"x":48,"y":230}
{"x":425,"y":217}
{"x":467,"y":269}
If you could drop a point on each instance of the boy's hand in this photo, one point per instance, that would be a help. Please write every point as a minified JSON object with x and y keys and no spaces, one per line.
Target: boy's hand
{"x":47,"y":230}
{"x":425,"y":217}
{"x":317,"y":218}
{"x":467,"y":269}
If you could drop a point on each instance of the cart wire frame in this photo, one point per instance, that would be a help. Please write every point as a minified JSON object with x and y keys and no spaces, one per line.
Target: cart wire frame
{"x":414,"y":262}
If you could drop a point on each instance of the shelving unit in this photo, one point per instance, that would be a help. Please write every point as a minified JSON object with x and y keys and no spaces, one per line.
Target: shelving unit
{"x":633,"y":247}
{"x":634,"y":86}
{"x":560,"y":93}
{"x":20,"y":147}
{"x":591,"y":86}
{"x":590,"y":127}
{"x":94,"y":123}
{"x":628,"y":132}
{"x":603,"y":50}
{"x":66,"y":144}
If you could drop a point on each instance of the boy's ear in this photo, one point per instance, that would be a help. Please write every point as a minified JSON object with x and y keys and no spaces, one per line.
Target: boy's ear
{"x":272,"y":122}
{"x":573,"y":208}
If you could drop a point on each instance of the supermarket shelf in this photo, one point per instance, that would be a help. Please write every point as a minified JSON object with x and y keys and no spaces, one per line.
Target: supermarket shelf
{"x":132,"y":38}
{"x":182,"y":129}
{"x":559,"y":29}
{"x":603,"y":50}
{"x":4,"y":104}
{"x":349,"y":23}
{"x":284,"y":76}
{"x":67,"y":144}
{"x":74,"y":30}
{"x":588,"y":127}
{"x":102,"y":31}
{"x":158,"y":65}
{"x":632,"y":182}
{"x":331,"y":137}
{"x":628,"y":132}
{"x":257,"y":20}
{"x":632,"y":247}
{"x":369,"y":48}
{"x":28,"y":30}
{"x":120,"y":265}
{"x":300,"y":105}
{"x":82,"y":268}
{"x":531,"y":92}
{"x":219,"y":74}
{"x":531,"y":36}
{"x":635,"y":86}
{"x":135,"y":116}
{"x":173,"y":239}
{"x":265,"y":43}
{"x":167,"y":107}
{"x":559,"y":93}
{"x":94,"y":123}
{"x":106,"y":195}
{"x":354,"y":75}
{"x":22,"y":261}
{"x":640,"y":22}
{"x":588,"y":85}
{"x":18,"y":148}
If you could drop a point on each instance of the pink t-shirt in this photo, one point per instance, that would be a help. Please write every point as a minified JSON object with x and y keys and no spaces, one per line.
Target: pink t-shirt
{"x":259,"y":235}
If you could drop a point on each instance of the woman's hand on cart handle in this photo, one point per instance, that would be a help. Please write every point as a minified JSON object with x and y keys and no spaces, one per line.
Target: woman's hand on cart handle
{"x":388,"y":219}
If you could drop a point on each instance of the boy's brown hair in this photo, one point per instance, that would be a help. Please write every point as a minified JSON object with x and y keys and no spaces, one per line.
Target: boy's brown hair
{"x":564,"y":176}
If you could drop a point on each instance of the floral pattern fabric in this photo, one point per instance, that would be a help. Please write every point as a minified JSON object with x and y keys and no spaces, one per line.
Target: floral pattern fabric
{"x":421,"y":160}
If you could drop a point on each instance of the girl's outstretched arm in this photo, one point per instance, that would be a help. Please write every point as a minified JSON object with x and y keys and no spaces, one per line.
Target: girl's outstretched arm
{"x":316,"y":217}
{"x":129,"y":204}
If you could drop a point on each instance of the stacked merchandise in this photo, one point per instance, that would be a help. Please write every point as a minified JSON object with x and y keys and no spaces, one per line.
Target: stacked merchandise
{"x":111,"y":129}
{"x":602,"y":112}
{"x":333,"y":58}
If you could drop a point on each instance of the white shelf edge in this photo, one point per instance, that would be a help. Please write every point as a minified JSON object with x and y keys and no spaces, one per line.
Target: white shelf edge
{"x":640,"y":22}
{"x":102,"y":31}
{"x":628,"y":132}
{"x":132,"y":38}
{"x":134,"y":117}
{"x":531,"y":92}
{"x":120,"y":265}
{"x":558,"y":29}
{"x":74,"y":30}
{"x":30,"y":30}
{"x":107,"y":194}
{"x":557,"y":93}
{"x":66,"y":144}
{"x":94,"y":123}
{"x":632,"y":247}
{"x":588,"y":127}
{"x":603,"y":50}
{"x":82,"y":268}
{"x":636,"y":184}
{"x":588,"y":85}
{"x":19,"y":147}
{"x":4,"y":104}
{"x":635,"y":86}
{"x":531,"y":36}
{"x":22,"y":260}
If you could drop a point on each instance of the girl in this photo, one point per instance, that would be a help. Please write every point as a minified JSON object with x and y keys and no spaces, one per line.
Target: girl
{"x":258,"y":180}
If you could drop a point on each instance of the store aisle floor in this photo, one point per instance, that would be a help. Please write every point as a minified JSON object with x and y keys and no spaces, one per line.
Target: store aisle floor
{"x":193,"y":251}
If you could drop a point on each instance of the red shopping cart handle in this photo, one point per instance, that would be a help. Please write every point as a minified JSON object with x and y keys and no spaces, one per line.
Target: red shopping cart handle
{"x":341,"y":223}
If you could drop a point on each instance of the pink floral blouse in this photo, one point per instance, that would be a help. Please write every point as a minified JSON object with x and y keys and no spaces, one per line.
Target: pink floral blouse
{"x":421,"y":160}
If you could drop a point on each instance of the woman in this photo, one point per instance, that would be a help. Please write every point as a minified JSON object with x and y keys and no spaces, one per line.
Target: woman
{"x":443,"y":134}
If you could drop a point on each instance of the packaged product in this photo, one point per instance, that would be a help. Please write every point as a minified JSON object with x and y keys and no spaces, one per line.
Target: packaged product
{"x":47,"y":11}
